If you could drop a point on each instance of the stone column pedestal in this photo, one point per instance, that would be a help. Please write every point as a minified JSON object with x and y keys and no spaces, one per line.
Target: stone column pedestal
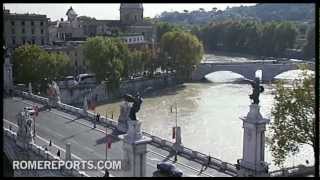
{"x":252,"y":162}
{"x":68,"y":151}
{"x":135,"y":150}
{"x":178,"y":143}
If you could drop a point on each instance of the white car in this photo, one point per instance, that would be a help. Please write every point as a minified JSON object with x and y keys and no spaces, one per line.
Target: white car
{"x":86,"y":79}
{"x":30,"y":110}
{"x":68,"y":81}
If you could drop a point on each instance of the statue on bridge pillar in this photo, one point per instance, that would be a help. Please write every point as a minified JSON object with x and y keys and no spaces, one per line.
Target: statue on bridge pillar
{"x":128,"y":111}
{"x":54,"y":94}
{"x":134,"y":143}
{"x":7,"y":71}
{"x":25,"y":124}
{"x":256,"y":90}
{"x":137,"y":101}
{"x":124,"y":115}
{"x":254,"y":125}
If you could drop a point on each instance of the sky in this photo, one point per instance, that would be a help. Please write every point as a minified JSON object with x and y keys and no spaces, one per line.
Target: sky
{"x":108,"y":11}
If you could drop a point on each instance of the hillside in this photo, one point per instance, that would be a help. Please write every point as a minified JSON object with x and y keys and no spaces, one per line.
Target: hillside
{"x":303,"y":13}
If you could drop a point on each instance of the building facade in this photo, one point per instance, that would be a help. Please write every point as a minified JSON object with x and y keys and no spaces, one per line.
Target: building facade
{"x":74,"y":51}
{"x":79,"y":28}
{"x":20,"y":29}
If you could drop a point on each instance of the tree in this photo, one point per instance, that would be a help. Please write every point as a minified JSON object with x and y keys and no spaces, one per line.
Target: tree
{"x":182,"y":52}
{"x":294,"y":118}
{"x":106,"y":58}
{"x":309,"y":48}
{"x":33,"y":64}
{"x":163,"y":27}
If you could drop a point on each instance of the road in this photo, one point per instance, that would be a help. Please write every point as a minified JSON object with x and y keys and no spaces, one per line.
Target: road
{"x":88,"y":143}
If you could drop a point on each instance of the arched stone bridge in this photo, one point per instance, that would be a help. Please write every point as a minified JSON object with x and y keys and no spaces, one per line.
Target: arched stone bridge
{"x":248,"y":69}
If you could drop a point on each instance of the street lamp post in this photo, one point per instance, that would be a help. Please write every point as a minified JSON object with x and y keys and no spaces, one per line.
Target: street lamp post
{"x":107,"y":144}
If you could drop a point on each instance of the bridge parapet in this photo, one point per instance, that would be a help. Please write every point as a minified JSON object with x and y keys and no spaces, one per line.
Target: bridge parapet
{"x":161,"y":142}
{"x":298,"y":171}
{"x":269,"y":70}
{"x":36,"y":150}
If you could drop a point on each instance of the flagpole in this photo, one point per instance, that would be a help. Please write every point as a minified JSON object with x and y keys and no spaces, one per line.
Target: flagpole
{"x":107,"y":143}
{"x":176,"y":115}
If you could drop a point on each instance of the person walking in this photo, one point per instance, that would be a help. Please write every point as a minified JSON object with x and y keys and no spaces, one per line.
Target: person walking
{"x":98,"y":117}
{"x":95,"y":121}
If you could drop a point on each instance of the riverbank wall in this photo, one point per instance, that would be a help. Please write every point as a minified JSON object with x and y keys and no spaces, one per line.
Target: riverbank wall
{"x":102,"y":94}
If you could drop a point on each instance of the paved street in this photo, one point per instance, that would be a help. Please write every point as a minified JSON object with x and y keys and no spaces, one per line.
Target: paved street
{"x":88,"y":143}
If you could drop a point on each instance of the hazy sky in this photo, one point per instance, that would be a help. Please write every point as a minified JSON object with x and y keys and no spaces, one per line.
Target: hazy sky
{"x":107,"y":11}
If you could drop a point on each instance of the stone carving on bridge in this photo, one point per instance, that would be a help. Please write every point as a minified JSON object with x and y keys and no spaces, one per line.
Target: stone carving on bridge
{"x":256,"y":90}
{"x":7,"y":71}
{"x":124,"y":115}
{"x":128,"y":110}
{"x":137,"y":101}
{"x":54,"y":94}
{"x":25,"y":124}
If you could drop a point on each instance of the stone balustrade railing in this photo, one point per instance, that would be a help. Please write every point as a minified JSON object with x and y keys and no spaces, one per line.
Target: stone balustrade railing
{"x":298,"y":171}
{"x":43,"y":153}
{"x":228,"y":168}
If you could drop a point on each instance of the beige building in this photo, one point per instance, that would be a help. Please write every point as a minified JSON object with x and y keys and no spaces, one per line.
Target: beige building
{"x":20,"y":29}
{"x":80,"y":28}
{"x":73,"y":50}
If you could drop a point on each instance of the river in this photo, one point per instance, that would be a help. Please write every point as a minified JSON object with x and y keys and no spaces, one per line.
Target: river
{"x":208,"y":114}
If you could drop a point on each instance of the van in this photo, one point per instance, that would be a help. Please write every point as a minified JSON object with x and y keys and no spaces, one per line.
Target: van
{"x":86,"y":79}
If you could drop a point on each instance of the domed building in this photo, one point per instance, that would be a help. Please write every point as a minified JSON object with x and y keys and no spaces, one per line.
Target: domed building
{"x":80,"y":27}
{"x":131,"y":13}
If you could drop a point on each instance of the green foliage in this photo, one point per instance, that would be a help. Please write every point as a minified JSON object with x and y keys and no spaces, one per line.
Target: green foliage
{"x":181,"y":51}
{"x":265,"y":39}
{"x":33,"y":64}
{"x":260,"y":12}
{"x":294,"y":117}
{"x":106,"y":57}
{"x":309,"y":48}
{"x":163,"y":27}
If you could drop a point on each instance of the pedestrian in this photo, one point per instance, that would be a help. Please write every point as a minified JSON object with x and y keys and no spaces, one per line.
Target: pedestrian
{"x":208,"y":163}
{"x":106,"y":174}
{"x":98,"y":117}
{"x":176,"y":156}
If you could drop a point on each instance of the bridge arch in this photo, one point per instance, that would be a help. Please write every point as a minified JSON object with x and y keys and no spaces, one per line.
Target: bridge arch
{"x":288,"y":74}
{"x":223,"y":76}
{"x":247,"y":70}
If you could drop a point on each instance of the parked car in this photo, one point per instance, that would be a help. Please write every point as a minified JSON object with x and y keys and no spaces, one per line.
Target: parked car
{"x":86,"y":79}
{"x":68,"y":81}
{"x":170,"y":169}
{"x":30,"y":110}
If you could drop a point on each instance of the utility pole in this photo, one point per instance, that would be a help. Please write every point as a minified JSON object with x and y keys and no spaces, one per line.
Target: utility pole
{"x":107,"y":144}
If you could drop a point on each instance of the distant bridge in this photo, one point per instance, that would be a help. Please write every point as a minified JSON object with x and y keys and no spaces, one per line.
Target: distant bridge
{"x":248,"y":69}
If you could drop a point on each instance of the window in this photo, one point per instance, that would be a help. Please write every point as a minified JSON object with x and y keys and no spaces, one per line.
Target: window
{"x":32,"y":23}
{"x":32,"y":31}
{"x":12,"y":23}
{"x":23,"y":30}
{"x":22,"y":23}
{"x":41,"y":31}
{"x":13,"y":31}
{"x":41,"y":23}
